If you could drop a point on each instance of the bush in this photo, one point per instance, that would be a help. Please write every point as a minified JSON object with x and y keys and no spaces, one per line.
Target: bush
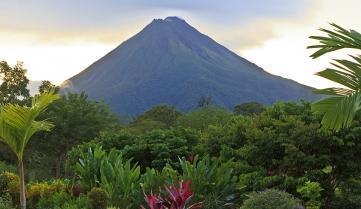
{"x":153,"y":180}
{"x":213,"y":181}
{"x":76,"y":190}
{"x":98,"y":198}
{"x":9,"y":184}
{"x":312,"y":192}
{"x":36,"y":191}
{"x":63,"y":200}
{"x":158,"y":148}
{"x":119,"y":178}
{"x":76,"y":153}
{"x":54,"y":200}
{"x":176,"y":198}
{"x":271,"y":199}
{"x":81,"y":202}
{"x":5,"y":202}
{"x":348,"y":194}
{"x":6,"y":167}
{"x":87,"y":168}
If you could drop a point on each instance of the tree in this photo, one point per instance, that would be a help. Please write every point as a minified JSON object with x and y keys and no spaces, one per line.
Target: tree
{"x":164,"y":114}
{"x":342,"y":103}
{"x":204,"y":102}
{"x":46,"y":86}
{"x":271,"y":199}
{"x":18,"y":124}
{"x":158,"y":148}
{"x":13,"y":83}
{"x":76,"y":120}
{"x":154,"y":149}
{"x":200,"y":119}
{"x":249,"y":108}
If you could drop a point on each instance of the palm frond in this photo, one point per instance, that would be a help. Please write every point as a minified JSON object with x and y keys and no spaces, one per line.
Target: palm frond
{"x":17,"y":116}
{"x":339,"y":110}
{"x":334,"y":91}
{"x":338,"y":39}
{"x":340,"y":77}
{"x":18,"y":123}
{"x":42,"y":101}
{"x":9,"y":136}
{"x":346,"y":73}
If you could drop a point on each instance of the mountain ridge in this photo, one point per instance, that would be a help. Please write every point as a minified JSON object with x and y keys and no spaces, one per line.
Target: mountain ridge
{"x":175,"y":63}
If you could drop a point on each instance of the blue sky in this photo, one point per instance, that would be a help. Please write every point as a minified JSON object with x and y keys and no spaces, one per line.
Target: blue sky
{"x":57,"y":39}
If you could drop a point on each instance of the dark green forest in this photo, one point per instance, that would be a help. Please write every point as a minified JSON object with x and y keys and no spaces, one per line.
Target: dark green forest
{"x":81,"y":155}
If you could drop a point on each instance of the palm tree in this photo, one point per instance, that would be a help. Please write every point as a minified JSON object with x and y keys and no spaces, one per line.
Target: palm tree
{"x":341,"y":103}
{"x":18,"y":124}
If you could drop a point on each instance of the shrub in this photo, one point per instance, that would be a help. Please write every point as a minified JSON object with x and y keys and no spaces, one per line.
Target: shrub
{"x":6,"y":167}
{"x":251,"y":181}
{"x":98,"y":198}
{"x":35,"y":191}
{"x":109,"y":171}
{"x":120,"y":180}
{"x":158,"y":148}
{"x":5,"y":202}
{"x":77,"y":152}
{"x":271,"y":199}
{"x":177,"y":198}
{"x":63,"y":200}
{"x":312,"y":192}
{"x":9,"y":184}
{"x":88,"y":167}
{"x":154,"y":149}
{"x":153,"y":180}
{"x":57,"y":199}
{"x":76,"y":190}
{"x":348,"y":194}
{"x":81,"y":202}
{"x":213,"y":181}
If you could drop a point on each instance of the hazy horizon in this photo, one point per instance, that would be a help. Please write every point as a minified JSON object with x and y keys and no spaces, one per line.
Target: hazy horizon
{"x":57,"y":40}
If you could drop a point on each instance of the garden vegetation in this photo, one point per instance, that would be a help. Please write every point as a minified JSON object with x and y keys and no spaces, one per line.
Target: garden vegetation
{"x":82,"y":156}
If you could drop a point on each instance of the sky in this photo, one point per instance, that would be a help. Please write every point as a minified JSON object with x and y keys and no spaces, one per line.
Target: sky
{"x":58,"y":39}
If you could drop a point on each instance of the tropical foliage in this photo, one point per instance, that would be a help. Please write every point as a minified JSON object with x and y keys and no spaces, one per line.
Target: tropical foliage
{"x":279,"y":156}
{"x":177,"y":198}
{"x":18,"y":124}
{"x":343,"y":102}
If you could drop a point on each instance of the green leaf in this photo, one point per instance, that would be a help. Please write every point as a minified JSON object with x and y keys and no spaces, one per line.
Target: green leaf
{"x":327,"y":169}
{"x":339,"y":111}
{"x":335,"y":40}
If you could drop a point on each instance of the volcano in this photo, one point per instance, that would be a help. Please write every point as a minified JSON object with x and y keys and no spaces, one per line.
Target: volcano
{"x":170,"y":62}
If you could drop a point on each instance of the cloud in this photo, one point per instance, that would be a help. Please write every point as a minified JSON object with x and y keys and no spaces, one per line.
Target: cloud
{"x":271,"y":33}
{"x":113,"y":20}
{"x":285,"y":53}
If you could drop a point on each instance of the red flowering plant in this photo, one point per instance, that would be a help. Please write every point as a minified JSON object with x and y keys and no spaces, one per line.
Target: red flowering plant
{"x":177,"y":198}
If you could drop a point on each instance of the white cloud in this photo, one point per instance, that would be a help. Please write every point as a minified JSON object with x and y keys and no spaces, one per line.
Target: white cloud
{"x":285,"y":53}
